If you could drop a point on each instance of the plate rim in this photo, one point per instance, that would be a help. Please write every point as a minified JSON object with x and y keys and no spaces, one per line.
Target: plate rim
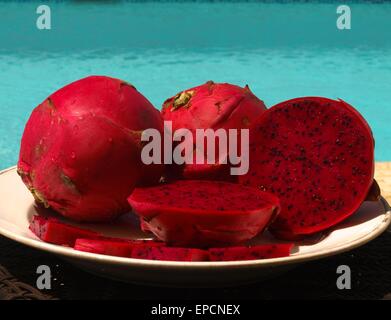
{"x":260,"y":263}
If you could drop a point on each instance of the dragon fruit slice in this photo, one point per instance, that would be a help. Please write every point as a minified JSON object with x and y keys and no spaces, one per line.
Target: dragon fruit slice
{"x":53,"y":231}
{"x":169,"y":254}
{"x":317,"y":156}
{"x":266,"y":251}
{"x":194,"y":213}
{"x":81,"y":148}
{"x":113,"y":246}
{"x":211,"y":106}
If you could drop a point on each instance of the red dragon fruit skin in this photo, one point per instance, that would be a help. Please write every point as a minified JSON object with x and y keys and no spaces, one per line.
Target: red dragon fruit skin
{"x":211,"y":105}
{"x":266,"y":251}
{"x":194,"y":213}
{"x":317,"y":156}
{"x":80,"y":151}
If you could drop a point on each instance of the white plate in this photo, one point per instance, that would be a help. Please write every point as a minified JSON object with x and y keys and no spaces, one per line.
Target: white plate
{"x":17,"y":207}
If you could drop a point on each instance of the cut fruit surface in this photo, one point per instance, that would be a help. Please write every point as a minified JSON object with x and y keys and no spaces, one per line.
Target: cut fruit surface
{"x":113,"y":247}
{"x":317,"y":156}
{"x":53,"y":231}
{"x":204,"y":213}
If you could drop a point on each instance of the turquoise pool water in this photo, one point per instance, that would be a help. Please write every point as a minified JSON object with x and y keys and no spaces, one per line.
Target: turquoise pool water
{"x":282,"y":50}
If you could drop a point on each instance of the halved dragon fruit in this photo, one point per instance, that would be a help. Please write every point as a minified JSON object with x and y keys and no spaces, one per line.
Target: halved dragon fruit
{"x":195,"y":213}
{"x":317,"y":156}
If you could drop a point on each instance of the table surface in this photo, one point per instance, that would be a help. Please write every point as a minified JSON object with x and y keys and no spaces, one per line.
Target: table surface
{"x":370,"y":271}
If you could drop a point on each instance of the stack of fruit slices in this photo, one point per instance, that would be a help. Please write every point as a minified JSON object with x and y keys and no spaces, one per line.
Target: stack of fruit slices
{"x":53,"y":231}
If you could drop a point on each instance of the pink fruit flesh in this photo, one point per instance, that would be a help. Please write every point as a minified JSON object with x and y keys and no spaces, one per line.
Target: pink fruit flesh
{"x":204,"y":213}
{"x":113,"y":247}
{"x":317,"y":156}
{"x":53,"y":231}
{"x":80,"y":151}
{"x":169,"y":254}
{"x":250,"y":253}
{"x":211,"y":106}
{"x":144,"y":226}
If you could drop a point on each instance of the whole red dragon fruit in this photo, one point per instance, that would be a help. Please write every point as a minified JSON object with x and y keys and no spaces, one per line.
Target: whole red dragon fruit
{"x":317,"y":156}
{"x":81,"y":148}
{"x":211,"y":106}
